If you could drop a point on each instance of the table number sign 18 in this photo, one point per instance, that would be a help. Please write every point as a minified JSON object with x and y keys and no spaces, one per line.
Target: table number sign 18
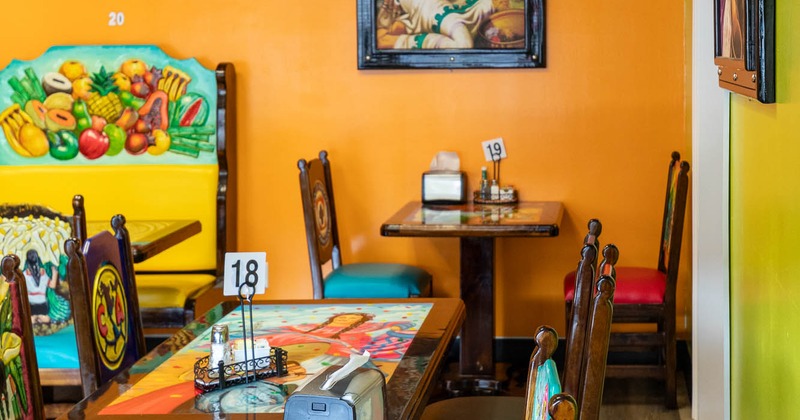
{"x":245,"y":268}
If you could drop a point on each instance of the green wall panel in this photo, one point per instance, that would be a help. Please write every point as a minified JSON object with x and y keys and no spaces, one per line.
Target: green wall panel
{"x":765,"y":240}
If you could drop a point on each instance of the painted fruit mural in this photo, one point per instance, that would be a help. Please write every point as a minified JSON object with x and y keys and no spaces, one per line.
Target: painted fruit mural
{"x":97,"y":109}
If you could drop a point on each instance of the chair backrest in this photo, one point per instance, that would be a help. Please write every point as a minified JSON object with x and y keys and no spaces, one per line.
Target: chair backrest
{"x":21,"y":394}
{"x":103,"y":291}
{"x":543,"y":380}
{"x":576,"y":328}
{"x":582,"y":338}
{"x":319,"y":213}
{"x":585,"y":405}
{"x":672,"y":225}
{"x":36,"y":234}
{"x":674,"y":215}
{"x":580,"y":305}
{"x":596,"y":350}
{"x":592,"y":238}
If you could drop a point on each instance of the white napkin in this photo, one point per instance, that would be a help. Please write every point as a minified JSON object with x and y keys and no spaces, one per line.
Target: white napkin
{"x":446,"y":161}
{"x":356,"y":361}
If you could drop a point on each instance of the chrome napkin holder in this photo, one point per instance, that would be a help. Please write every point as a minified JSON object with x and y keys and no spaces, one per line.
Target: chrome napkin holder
{"x":361,"y":395}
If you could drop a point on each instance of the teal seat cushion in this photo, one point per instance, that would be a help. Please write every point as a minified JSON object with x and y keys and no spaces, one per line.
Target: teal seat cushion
{"x":377,"y":280}
{"x":57,"y":351}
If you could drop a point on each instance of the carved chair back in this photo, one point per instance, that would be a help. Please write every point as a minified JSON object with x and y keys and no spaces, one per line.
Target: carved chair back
{"x":20,"y":391}
{"x":103,"y":291}
{"x":579,"y":340}
{"x":36,"y":234}
{"x":319,"y":214}
{"x":673,"y":221}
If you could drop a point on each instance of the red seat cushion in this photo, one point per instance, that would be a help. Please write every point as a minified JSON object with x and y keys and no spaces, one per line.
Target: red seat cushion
{"x":634,"y":285}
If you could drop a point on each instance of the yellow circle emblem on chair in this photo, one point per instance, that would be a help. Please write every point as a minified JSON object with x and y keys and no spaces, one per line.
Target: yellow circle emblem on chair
{"x":110,"y":318}
{"x":322,"y":214}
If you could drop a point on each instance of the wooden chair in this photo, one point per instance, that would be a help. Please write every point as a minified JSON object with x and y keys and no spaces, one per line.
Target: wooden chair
{"x":103,"y":292}
{"x":647,"y":295}
{"x":584,"y":373}
{"x":362,"y":280}
{"x":543,"y":391}
{"x":20,"y":392}
{"x":35,"y":234}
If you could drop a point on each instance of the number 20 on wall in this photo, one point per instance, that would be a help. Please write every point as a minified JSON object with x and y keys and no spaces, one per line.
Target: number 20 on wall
{"x":248,"y":269}
{"x":116,"y":18}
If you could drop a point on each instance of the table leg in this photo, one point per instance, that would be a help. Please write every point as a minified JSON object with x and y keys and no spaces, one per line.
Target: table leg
{"x":477,"y":292}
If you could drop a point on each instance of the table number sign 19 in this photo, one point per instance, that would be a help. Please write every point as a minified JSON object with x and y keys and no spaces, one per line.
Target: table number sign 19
{"x":245,"y":268}
{"x":494,"y":149}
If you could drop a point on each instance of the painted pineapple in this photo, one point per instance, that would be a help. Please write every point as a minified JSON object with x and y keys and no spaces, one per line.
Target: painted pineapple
{"x":103,"y":99}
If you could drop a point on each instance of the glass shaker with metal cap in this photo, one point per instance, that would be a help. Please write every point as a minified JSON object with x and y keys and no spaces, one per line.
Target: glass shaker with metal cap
{"x":219,"y":346}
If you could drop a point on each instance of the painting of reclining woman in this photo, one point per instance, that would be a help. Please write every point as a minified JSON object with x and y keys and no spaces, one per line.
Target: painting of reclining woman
{"x":450,"y":24}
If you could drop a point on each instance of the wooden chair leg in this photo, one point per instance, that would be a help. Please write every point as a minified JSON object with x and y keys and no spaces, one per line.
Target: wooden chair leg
{"x":671,"y":394}
{"x":567,"y":317}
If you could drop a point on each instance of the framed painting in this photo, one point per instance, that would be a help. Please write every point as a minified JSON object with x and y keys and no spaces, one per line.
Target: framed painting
{"x":744,"y":47}
{"x":451,"y":34}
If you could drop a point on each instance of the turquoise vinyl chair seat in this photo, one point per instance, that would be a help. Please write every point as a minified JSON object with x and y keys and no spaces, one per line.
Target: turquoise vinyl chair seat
{"x":58,"y":350}
{"x":377,"y":280}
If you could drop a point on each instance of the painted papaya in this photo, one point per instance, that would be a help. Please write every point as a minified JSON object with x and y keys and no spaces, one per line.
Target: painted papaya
{"x":191,"y":110}
{"x":63,"y":144}
{"x":37,"y":111}
{"x":155,"y":110}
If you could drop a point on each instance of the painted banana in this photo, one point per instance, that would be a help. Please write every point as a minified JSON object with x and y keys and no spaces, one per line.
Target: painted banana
{"x":11,"y":126}
{"x":174,"y":82}
{"x":13,"y":119}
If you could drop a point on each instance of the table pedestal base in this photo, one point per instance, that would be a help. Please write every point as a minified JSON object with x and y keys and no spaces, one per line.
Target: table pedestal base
{"x":477,"y":292}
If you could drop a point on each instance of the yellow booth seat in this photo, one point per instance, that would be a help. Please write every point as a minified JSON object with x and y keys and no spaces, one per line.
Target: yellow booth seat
{"x":153,"y":192}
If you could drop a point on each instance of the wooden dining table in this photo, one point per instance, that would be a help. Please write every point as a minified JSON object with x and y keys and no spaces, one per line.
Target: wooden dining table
{"x":477,"y":226}
{"x":150,"y":237}
{"x":408,"y":340}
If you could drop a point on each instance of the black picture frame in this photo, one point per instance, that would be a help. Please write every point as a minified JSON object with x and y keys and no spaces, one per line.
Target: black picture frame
{"x":744,"y":47}
{"x":521,"y":53}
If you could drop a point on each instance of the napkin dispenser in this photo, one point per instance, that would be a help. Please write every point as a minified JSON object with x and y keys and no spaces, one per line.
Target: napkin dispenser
{"x":361,"y":395}
{"x":444,"y":187}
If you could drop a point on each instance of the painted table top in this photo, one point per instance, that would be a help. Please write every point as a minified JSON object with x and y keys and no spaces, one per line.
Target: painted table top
{"x":407,"y":338}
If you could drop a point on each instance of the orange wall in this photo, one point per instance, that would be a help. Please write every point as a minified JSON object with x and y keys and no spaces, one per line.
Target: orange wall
{"x":594,"y":129}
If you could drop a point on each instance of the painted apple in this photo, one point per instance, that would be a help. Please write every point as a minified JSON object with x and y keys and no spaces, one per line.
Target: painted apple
{"x":81,"y":88}
{"x":116,"y":139}
{"x":93,"y":143}
{"x":121,"y":81}
{"x":140,"y":89}
{"x":133,"y":67}
{"x":72,"y":69}
{"x":142,"y":126}
{"x":136,"y":144}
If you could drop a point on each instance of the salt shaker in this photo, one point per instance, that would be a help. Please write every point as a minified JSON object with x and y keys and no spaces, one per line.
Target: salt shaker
{"x":219,"y":346}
